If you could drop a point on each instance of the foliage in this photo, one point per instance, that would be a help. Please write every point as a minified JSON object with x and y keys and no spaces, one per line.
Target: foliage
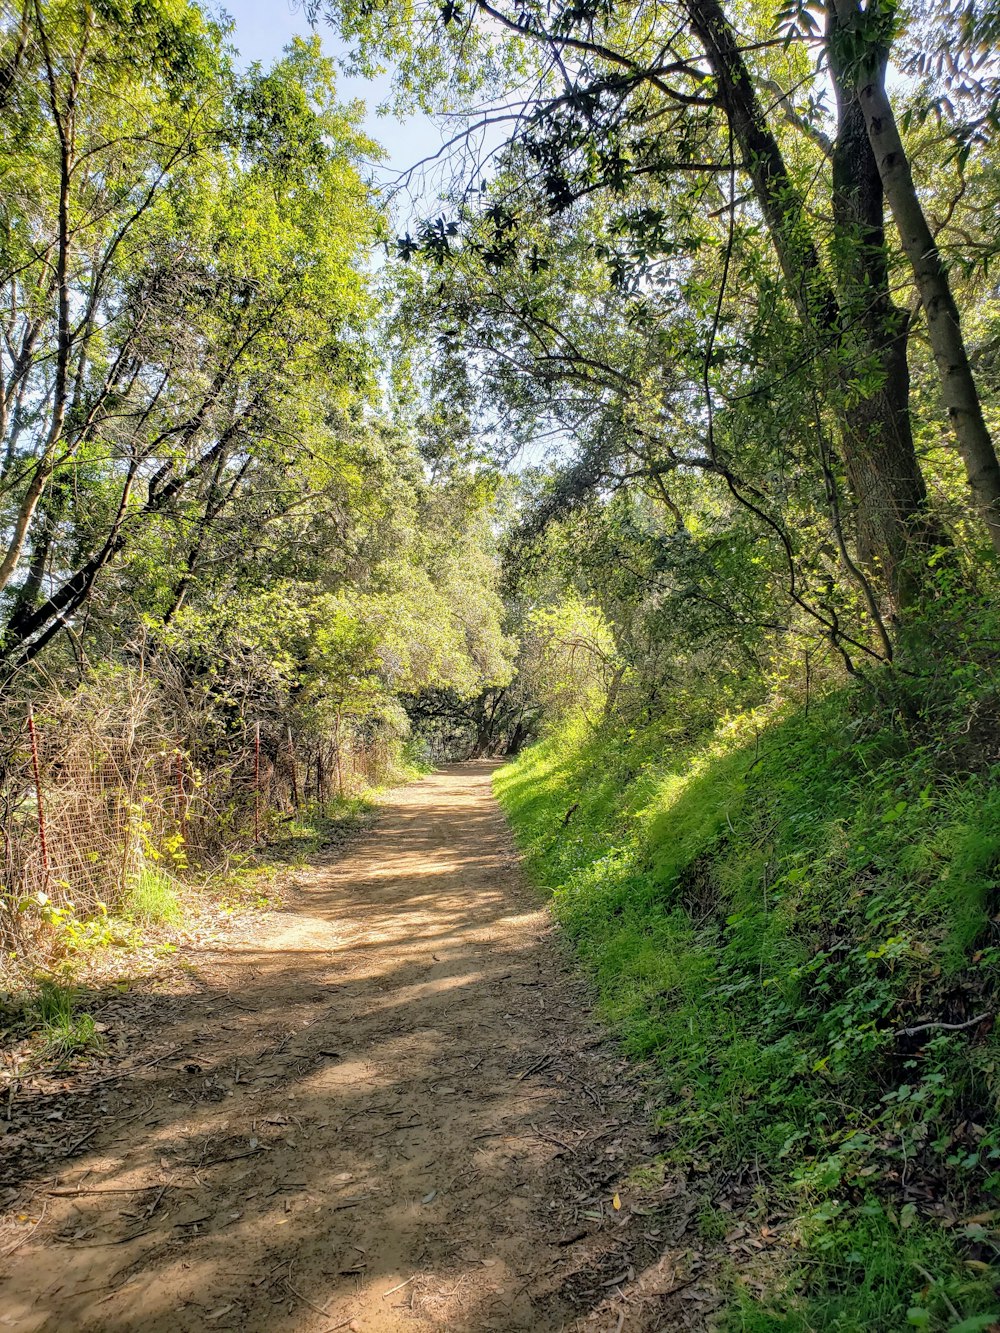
{"x":225,"y":559}
{"x":258,"y":552}
{"x":766,"y":910}
{"x":64,"y":1029}
{"x":152,"y":898}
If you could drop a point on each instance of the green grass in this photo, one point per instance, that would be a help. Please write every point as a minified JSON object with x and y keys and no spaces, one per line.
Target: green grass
{"x":761,"y":912}
{"x":64,"y":1030}
{"x":152,"y":898}
{"x":870,"y":1274}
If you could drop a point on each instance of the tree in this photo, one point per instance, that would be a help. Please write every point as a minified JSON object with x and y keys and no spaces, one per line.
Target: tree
{"x":181,"y":272}
{"x":626,"y":99}
{"x":861,"y":46}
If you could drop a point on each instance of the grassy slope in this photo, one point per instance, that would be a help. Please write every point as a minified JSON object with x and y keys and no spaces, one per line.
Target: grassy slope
{"x":761,"y":914}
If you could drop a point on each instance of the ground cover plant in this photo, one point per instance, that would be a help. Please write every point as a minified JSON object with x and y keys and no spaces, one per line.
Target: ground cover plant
{"x":793,"y":917}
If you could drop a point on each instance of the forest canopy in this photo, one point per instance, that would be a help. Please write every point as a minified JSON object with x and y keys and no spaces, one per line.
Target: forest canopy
{"x":200,"y":464}
{"x":680,"y":242}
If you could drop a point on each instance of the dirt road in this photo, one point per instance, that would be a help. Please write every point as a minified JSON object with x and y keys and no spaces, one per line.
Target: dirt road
{"x":383,"y":1108}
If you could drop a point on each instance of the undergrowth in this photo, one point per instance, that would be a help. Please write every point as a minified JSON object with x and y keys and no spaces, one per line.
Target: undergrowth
{"x":153,"y":898}
{"x":63,"y":1029}
{"x":766,"y":913}
{"x":40,"y":991}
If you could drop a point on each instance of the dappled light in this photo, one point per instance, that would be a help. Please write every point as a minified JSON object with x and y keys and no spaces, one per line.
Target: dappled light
{"x":626,"y":456}
{"x":385,"y":1105}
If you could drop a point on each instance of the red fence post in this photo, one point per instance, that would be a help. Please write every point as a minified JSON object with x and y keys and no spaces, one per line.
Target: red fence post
{"x":38,"y":789}
{"x":256,"y":782}
{"x":181,"y":810}
{"x":294,"y":774}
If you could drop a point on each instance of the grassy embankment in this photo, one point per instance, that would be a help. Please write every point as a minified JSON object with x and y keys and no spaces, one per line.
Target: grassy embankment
{"x":763,"y":912}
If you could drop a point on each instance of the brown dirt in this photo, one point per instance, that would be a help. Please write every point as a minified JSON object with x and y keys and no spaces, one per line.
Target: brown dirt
{"x":383,"y":1108}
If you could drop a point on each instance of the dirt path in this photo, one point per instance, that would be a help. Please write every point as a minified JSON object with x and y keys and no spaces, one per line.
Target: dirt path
{"x":384,"y":1108}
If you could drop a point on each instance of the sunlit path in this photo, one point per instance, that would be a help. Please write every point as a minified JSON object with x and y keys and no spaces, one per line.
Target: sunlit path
{"x":386,"y":1110}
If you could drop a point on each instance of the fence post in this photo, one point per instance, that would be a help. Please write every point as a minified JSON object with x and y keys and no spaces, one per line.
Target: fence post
{"x":38,"y":790}
{"x":256,"y":782}
{"x":181,"y":807}
{"x":294,"y":774}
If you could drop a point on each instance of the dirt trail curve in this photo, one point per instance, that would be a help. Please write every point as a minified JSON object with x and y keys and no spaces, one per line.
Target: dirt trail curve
{"x":383,"y":1108}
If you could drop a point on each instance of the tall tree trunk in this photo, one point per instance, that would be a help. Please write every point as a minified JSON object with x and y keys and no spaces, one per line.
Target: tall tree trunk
{"x":958,"y":385}
{"x":876,"y":443}
{"x":13,"y":59}
{"x":893,"y":520}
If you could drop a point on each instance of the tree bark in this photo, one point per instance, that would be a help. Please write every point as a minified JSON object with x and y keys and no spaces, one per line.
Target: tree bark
{"x":893,"y":521}
{"x":879,"y":458}
{"x":958,"y":385}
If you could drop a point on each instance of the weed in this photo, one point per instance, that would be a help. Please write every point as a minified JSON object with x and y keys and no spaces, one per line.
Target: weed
{"x":764,"y":912}
{"x":152,"y":898}
{"x":65,"y":1031}
{"x":867,"y":1274}
{"x":712,"y":1224}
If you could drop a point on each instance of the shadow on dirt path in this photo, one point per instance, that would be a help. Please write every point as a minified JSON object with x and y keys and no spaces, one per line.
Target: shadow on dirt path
{"x":383,"y":1108}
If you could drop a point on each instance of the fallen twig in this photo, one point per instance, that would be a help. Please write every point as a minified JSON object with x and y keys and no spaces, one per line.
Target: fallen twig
{"x":134,"y":1069}
{"x":589,"y":1091}
{"x":80,"y":1142}
{"x":305,"y":1300}
{"x":233,"y":1157}
{"x":942,"y":1027}
{"x":551,"y":1138}
{"x":156,"y":1202}
{"x":679,"y":1286}
{"x":18,"y":1243}
{"x":70,"y":1192}
{"x":399,"y":1287}
{"x":125,"y":1120}
{"x":542,"y":1060}
{"x":121,"y":1240}
{"x":940,"y":1291}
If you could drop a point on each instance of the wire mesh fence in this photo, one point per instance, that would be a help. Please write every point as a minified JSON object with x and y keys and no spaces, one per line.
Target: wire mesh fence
{"x":95,"y":791}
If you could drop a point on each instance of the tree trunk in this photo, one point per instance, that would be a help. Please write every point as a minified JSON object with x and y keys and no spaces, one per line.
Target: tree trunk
{"x":876,"y":443}
{"x":893,"y":520}
{"x":958,"y":385}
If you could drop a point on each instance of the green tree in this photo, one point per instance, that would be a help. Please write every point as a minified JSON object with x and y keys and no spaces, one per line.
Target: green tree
{"x":624,"y":101}
{"x":184,"y":294}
